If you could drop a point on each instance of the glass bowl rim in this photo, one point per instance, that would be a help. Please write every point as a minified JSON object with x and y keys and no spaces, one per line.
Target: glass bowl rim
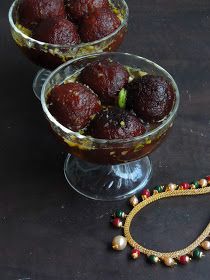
{"x":112,"y":141}
{"x":17,"y":30}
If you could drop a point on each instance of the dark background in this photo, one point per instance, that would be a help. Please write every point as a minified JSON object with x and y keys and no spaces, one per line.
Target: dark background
{"x":49,"y":232}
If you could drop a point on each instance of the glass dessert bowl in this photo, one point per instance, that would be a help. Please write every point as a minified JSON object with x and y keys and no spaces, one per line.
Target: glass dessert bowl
{"x":104,"y":169}
{"x":49,"y":56}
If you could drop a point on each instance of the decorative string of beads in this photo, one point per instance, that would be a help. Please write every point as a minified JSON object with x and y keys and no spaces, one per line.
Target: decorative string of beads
{"x":170,"y":260}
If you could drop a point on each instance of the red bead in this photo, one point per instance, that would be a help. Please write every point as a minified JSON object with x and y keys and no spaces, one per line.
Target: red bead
{"x":184,"y":259}
{"x":117,"y":222}
{"x":146,"y":192}
{"x":135,"y":253}
{"x":185,"y":186}
{"x":208,"y":179}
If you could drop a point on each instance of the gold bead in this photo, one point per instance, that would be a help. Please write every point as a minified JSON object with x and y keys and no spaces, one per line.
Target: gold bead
{"x":205,"y":245}
{"x":119,"y":243}
{"x":155,"y":192}
{"x":171,"y":187}
{"x":203,"y":183}
{"x":168,"y":261}
{"x":134,"y":256}
{"x":144,"y":197}
{"x":133,"y":200}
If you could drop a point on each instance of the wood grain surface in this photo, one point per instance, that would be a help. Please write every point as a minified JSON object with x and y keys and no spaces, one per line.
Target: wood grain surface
{"x":49,"y":232}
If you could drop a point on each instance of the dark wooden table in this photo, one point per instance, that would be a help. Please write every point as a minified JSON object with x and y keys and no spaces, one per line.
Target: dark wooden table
{"x":49,"y":232}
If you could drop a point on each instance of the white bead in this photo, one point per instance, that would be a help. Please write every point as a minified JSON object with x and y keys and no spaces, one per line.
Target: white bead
{"x":133,"y":200}
{"x":171,"y":187}
{"x":119,"y":243}
{"x":205,"y":245}
{"x":203,"y":183}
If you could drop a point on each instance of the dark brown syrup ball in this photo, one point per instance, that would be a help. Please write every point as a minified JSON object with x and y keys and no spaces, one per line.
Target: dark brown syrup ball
{"x":73,"y":105}
{"x":115,"y":123}
{"x":98,"y":24}
{"x":57,"y":31}
{"x":106,"y":78}
{"x":31,"y":12}
{"x":151,"y":97}
{"x":77,"y":9}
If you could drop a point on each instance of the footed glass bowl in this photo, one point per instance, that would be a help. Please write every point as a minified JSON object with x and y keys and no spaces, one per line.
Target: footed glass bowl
{"x":108,"y":169}
{"x":50,"y":56}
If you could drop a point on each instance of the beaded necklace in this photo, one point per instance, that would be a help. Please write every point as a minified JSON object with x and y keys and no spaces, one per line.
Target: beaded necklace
{"x":170,"y":259}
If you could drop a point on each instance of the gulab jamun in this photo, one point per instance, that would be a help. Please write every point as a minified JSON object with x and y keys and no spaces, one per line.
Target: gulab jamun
{"x":106,"y":78}
{"x":77,"y":9}
{"x":57,"y":31}
{"x":151,"y":97}
{"x":115,"y":123}
{"x":31,"y":12}
{"x":73,"y":105}
{"x":98,"y":24}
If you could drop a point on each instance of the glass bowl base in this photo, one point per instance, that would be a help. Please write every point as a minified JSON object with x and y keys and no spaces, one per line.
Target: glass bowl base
{"x":107,"y":182}
{"x":39,"y":81}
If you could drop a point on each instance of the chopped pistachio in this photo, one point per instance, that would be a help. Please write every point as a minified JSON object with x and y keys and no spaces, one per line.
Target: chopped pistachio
{"x":142,"y":73}
{"x":138,"y":147}
{"x":85,"y":145}
{"x":122,"y":98}
{"x":23,"y":29}
{"x":148,"y":141}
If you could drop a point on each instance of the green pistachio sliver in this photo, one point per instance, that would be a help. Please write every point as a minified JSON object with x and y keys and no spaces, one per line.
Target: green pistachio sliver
{"x":122,"y":98}
{"x":81,"y":131}
{"x":148,"y":141}
{"x":25,"y":30}
{"x":138,"y":147}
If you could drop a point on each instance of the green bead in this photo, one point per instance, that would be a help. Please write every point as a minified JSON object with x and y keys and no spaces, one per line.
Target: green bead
{"x":119,"y":214}
{"x":159,"y":189}
{"x":196,"y":184}
{"x":197,"y":254}
{"x":153,"y":259}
